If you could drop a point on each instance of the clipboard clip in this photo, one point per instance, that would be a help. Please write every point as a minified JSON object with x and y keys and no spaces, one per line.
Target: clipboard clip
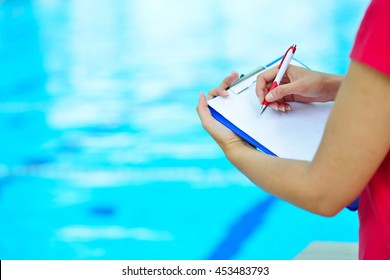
{"x":244,"y":77}
{"x":246,"y":80}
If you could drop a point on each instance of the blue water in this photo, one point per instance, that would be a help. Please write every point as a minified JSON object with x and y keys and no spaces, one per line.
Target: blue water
{"x":102,"y":154}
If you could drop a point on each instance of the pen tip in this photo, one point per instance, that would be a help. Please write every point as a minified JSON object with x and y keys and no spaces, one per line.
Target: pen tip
{"x":262,"y":109}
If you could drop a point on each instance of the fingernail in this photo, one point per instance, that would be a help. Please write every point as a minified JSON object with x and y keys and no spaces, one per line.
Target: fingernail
{"x":225,"y":92}
{"x":269,"y":97}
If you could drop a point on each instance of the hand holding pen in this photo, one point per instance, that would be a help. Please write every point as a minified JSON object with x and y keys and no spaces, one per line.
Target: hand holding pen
{"x":282,"y":68}
{"x":296,"y":84}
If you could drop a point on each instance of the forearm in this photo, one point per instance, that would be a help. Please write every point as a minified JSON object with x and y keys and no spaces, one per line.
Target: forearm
{"x":271,"y":174}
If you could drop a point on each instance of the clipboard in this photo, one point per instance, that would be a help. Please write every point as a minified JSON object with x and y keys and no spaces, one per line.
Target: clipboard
{"x":295,"y":134}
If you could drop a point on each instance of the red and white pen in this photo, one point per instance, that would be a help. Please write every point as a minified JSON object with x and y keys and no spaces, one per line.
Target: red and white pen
{"x":282,"y":70}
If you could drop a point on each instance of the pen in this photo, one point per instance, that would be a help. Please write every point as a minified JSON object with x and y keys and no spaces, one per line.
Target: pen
{"x":282,"y":70}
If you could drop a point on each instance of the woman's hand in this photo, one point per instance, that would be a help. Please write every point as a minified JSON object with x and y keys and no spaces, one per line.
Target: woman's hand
{"x":222,"y":135}
{"x":298,"y":84}
{"x":221,"y":89}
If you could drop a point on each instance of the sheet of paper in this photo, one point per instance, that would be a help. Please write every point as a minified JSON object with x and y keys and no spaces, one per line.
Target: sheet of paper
{"x":294,"y":134}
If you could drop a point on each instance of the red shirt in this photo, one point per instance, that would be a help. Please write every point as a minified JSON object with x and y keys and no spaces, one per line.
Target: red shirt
{"x":372,"y":48}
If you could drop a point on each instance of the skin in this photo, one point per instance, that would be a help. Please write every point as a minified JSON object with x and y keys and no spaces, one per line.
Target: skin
{"x":355,"y":141}
{"x":298,"y":84}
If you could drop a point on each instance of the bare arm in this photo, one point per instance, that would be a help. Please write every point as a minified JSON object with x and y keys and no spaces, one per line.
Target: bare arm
{"x":356,"y":140}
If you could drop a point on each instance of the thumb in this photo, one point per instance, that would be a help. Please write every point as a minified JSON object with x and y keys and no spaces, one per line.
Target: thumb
{"x":282,"y":91}
{"x":202,"y":109}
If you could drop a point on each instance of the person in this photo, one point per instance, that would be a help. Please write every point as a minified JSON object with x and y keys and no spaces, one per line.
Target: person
{"x":353,"y":157}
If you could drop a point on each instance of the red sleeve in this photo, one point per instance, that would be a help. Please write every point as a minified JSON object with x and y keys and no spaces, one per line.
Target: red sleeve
{"x":372,"y":43}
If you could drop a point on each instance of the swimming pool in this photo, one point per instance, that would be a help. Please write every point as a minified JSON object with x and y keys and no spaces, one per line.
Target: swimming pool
{"x":102,"y":154}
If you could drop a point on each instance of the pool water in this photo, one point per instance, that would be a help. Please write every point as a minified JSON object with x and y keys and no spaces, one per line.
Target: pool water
{"x":102,"y":154}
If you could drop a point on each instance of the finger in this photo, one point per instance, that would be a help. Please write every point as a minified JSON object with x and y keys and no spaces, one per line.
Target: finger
{"x":280,"y":106}
{"x":229,"y":80}
{"x":284,"y":91}
{"x":213,"y":93}
{"x":263,"y":80}
{"x":221,"y":89}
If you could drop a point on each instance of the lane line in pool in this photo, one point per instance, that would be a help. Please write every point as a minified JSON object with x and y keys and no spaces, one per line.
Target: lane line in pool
{"x":242,"y":229}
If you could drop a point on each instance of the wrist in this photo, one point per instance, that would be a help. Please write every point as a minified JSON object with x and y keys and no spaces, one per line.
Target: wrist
{"x":233,"y":150}
{"x":331,"y":84}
